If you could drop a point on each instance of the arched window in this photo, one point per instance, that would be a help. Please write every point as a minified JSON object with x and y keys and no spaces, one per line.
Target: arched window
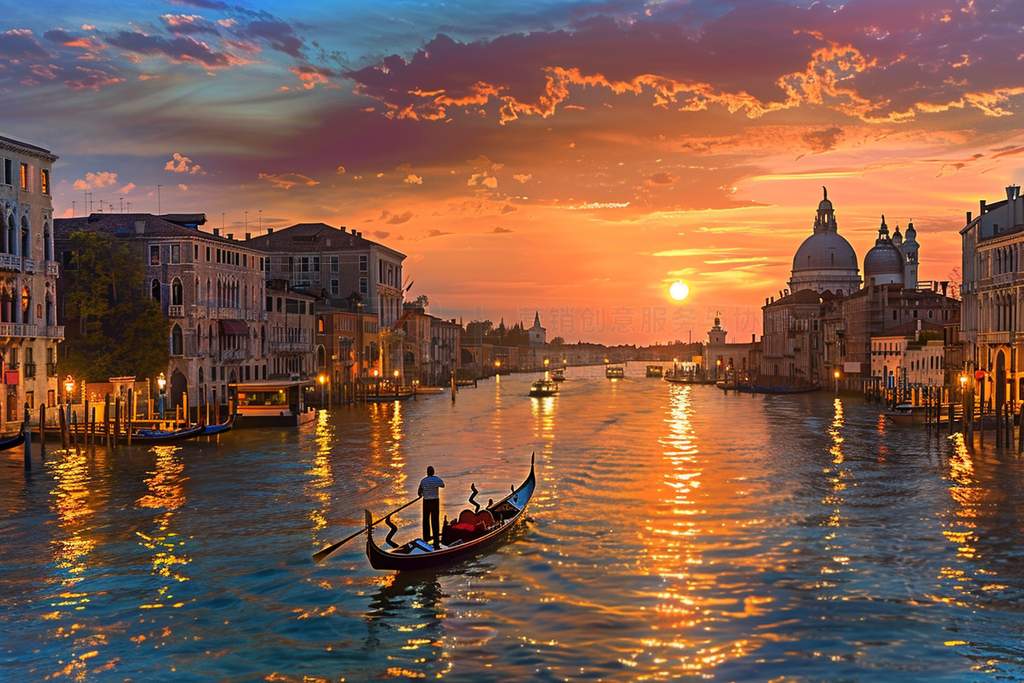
{"x":177,"y":343}
{"x":26,"y":305}
{"x":47,"y":246}
{"x":26,"y":238}
{"x":155,"y":290}
{"x":177,"y":293}
{"x":201,"y":375}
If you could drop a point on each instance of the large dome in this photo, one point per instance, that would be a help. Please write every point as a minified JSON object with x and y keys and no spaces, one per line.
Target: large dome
{"x":883,"y":259}
{"x":825,"y":251}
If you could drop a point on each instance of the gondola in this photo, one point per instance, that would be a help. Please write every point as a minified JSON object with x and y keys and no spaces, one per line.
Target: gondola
{"x":213,"y":430}
{"x":14,"y":441}
{"x":161,"y":436}
{"x":472,"y":532}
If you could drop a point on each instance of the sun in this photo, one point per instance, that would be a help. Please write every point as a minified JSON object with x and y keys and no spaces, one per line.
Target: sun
{"x":678,"y":291}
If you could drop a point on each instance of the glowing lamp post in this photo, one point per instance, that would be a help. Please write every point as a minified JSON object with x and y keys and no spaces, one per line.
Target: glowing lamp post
{"x":718,"y":368}
{"x":161,"y":383}
{"x":323,"y":380}
{"x":69,"y":391}
{"x":836,"y":375}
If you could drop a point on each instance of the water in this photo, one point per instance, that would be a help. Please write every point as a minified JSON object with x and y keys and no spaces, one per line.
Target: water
{"x":676,"y":532}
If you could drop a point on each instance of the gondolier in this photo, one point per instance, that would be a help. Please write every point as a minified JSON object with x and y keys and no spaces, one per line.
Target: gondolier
{"x":429,"y":489}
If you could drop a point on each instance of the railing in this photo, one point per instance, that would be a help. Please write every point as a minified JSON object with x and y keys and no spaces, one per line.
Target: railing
{"x":176,"y":311}
{"x":232,"y":354}
{"x":291,"y":347}
{"x":53,"y":268}
{"x":30,"y":265}
{"x":30,"y":369}
{"x":10,"y":262}
{"x":51,"y":369}
{"x":55,"y":331}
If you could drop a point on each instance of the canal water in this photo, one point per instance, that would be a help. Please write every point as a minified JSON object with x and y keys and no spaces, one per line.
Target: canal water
{"x":677,"y":532}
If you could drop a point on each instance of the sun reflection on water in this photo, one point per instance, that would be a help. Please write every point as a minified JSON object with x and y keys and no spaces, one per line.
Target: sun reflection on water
{"x":167,"y":493}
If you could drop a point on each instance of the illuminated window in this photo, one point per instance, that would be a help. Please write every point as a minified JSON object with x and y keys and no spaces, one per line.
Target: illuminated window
{"x":24,"y":176}
{"x":45,"y":182}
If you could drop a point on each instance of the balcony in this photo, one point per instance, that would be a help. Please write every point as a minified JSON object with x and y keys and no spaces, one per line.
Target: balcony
{"x":30,"y":265}
{"x":30,"y":370}
{"x":55,"y":331}
{"x":53,"y":268}
{"x":51,"y":369}
{"x":10,"y":262}
{"x":232,"y":355}
{"x":177,"y":311}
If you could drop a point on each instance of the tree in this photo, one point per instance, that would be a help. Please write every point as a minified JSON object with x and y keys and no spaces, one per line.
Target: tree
{"x":558,"y":341}
{"x":114,"y":328}
{"x":422,"y":301}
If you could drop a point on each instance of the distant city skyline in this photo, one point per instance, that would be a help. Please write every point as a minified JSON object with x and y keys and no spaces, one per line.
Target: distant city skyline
{"x":568,"y":158}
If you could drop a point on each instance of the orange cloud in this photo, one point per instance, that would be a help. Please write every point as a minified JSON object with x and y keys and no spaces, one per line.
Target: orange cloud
{"x":286,"y":181}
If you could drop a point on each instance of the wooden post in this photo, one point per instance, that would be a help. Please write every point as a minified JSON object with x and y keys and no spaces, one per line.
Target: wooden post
{"x":42,"y":426}
{"x":117,"y":421}
{"x":106,"y":419}
{"x":130,"y":415}
{"x":1020,"y":430}
{"x":61,"y":419}
{"x":28,"y":437}
{"x":453,"y":386}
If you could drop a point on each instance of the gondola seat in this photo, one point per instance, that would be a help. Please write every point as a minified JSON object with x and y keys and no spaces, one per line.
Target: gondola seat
{"x":469,"y":526}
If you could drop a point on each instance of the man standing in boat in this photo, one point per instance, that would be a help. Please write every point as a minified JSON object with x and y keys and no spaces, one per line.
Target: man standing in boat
{"x":430,"y":491}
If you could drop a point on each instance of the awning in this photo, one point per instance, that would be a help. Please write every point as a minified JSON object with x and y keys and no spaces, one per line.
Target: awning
{"x":234,"y":327}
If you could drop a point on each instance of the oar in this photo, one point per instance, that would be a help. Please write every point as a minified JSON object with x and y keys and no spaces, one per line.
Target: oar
{"x":318,"y":556}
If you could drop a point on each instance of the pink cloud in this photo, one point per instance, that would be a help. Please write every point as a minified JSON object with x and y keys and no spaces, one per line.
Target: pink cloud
{"x":286,"y":181}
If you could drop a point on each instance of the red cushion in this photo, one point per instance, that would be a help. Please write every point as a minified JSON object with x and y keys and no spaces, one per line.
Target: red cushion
{"x":464,"y":527}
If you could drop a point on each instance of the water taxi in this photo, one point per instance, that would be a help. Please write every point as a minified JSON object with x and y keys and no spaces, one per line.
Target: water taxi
{"x":543,"y":387}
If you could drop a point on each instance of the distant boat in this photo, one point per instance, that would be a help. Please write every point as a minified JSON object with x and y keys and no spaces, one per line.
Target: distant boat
{"x":558,"y":375}
{"x":906,"y":414}
{"x":165,"y":436}
{"x":655,"y":371}
{"x":614,"y":372}
{"x":543,"y":387}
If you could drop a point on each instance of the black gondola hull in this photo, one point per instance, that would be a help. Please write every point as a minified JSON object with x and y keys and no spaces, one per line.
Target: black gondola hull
{"x":393,"y":561}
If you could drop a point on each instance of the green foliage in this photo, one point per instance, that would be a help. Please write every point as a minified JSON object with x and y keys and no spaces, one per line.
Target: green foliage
{"x":114,"y":328}
{"x":558,"y":341}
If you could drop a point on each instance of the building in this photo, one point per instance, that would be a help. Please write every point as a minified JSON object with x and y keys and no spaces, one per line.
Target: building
{"x":909,"y":356}
{"x":29,"y":333}
{"x":724,"y":359}
{"x":337,"y":265}
{"x":538,"y":334}
{"x":792,"y":351}
{"x":291,"y":325}
{"x":445,"y":342}
{"x":210,"y":288}
{"x":993,"y":286}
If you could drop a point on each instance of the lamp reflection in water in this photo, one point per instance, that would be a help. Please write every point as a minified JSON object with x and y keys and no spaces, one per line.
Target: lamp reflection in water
{"x":321,"y":477}
{"x":962,"y":529}
{"x":166,"y":493}
{"x":837,"y":476}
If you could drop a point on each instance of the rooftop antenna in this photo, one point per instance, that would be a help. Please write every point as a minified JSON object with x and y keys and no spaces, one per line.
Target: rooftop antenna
{"x":72,"y":208}
{"x":261,"y":220}
{"x":246,"y":220}
{"x":121,"y":199}
{"x":158,"y":212}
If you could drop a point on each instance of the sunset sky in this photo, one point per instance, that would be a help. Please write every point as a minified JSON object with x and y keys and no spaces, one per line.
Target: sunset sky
{"x":571,"y":158}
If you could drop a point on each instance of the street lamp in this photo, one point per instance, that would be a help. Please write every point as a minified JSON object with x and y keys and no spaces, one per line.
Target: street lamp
{"x":836,"y":375}
{"x":161,"y":383}
{"x":323,"y":380}
{"x":69,"y":391}
{"x":718,"y":369}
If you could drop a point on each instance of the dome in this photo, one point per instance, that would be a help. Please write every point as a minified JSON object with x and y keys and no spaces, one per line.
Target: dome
{"x":883,"y":259}
{"x":825,"y":251}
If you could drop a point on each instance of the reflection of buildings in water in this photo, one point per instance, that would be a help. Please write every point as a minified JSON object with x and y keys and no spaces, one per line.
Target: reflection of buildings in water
{"x":387,"y":430}
{"x":407,"y":618}
{"x":166,"y":492}
{"x":543,"y":411}
{"x":321,"y":476}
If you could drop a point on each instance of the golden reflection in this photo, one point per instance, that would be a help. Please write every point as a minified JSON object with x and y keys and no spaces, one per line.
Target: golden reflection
{"x":685,"y":612}
{"x":167,"y":493}
{"x":321,"y":475}
{"x":543,"y":411}
{"x":962,"y":529}
{"x":836,"y":475}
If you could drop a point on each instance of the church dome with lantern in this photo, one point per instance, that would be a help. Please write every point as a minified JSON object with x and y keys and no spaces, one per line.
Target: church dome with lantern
{"x":825,"y":261}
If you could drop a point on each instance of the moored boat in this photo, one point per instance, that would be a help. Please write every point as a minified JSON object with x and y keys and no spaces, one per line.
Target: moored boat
{"x":13,"y":441}
{"x":543,"y":387}
{"x":165,"y":436}
{"x":472,"y":532}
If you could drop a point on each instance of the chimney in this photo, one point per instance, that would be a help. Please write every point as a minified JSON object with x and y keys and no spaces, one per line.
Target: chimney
{"x":968,"y":217}
{"x":1012,"y":192}
{"x":248,"y":236}
{"x":231,"y":235}
{"x":140,"y":227}
{"x":270,"y":231}
{"x":981,"y":210}
{"x":216,"y":232}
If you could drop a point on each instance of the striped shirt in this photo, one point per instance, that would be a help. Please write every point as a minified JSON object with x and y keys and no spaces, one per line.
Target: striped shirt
{"x":429,"y":487}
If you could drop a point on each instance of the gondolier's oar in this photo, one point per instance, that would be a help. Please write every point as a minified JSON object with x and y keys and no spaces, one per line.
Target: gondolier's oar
{"x":318,"y":556}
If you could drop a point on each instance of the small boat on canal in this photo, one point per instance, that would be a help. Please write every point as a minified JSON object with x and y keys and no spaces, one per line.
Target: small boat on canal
{"x":543,"y":387}
{"x":906,"y":414}
{"x":558,"y":375}
{"x":614,"y":372}
{"x":473,"y":531}
{"x":13,"y":441}
{"x":165,"y":436}
{"x":655,"y":371}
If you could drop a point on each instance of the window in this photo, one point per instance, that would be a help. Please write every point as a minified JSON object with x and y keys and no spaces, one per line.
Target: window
{"x":335,"y":287}
{"x":364,"y":286}
{"x":278,"y":304}
{"x":177,"y":293}
{"x":154,"y":255}
{"x":263,"y":263}
{"x":175,"y":253}
{"x":155,"y":290}
{"x":316,"y":264}
{"x":24,"y":176}
{"x":8,"y":177}
{"x":270,"y":303}
{"x":245,"y":260}
{"x":177,"y":343}
{"x":334,"y":264}
{"x":207,"y":253}
{"x":44,"y":180}
{"x":195,"y":253}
